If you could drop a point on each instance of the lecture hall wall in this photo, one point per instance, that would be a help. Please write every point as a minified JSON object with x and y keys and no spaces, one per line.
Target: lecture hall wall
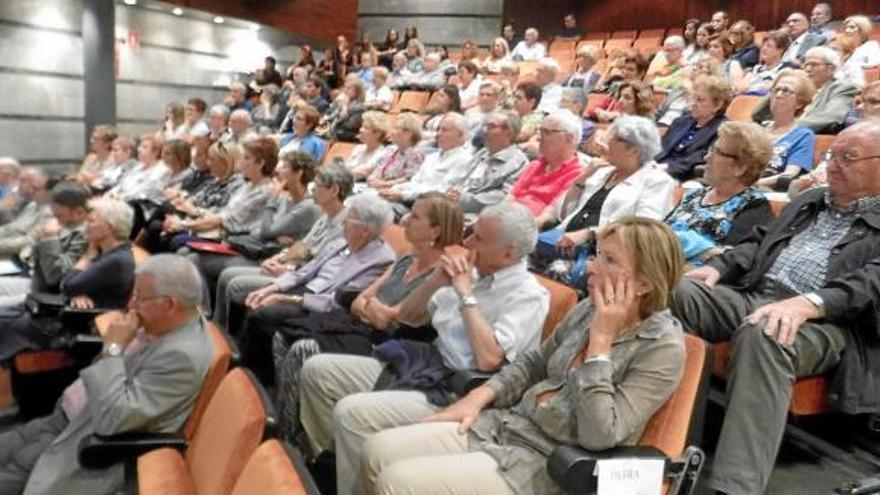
{"x":610,"y":15}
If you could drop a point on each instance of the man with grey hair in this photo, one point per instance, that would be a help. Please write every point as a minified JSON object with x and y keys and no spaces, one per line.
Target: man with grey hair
{"x":487,"y":309}
{"x":494,"y":169}
{"x":34,"y":195}
{"x":237,"y":98}
{"x":218,"y":119}
{"x":820,"y":20}
{"x":240,"y":123}
{"x":432,"y":76}
{"x":833,"y":99}
{"x":155,"y":358}
{"x":551,"y":91}
{"x":798,"y":28}
{"x":441,"y":169}
{"x":487,"y":102}
{"x":529,"y":48}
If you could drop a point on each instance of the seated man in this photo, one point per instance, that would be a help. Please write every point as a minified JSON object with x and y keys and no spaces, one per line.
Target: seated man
{"x":494,"y":169}
{"x":154,"y":361}
{"x":440,"y":170}
{"x":796,"y":299}
{"x":57,"y":245}
{"x":32,"y":210}
{"x":481,"y":323}
{"x":530,"y":48}
{"x":551,"y":91}
{"x":431,"y":77}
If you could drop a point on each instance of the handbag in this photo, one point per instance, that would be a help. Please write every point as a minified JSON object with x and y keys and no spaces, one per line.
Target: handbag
{"x":252,"y":247}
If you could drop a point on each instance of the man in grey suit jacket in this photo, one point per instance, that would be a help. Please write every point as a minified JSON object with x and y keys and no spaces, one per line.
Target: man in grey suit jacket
{"x":797,"y":25}
{"x":832,"y":101}
{"x":154,"y":360}
{"x":34,"y":192}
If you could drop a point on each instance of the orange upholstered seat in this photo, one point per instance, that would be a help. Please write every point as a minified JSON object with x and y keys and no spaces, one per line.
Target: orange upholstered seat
{"x":219,"y":366}
{"x":271,"y":471}
{"x":562,"y":299}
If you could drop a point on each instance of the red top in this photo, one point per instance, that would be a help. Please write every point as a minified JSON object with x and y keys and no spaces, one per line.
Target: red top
{"x":535,"y":189}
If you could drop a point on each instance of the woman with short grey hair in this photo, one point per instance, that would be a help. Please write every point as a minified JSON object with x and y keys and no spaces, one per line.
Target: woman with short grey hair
{"x":371,"y":211}
{"x":624,"y":182}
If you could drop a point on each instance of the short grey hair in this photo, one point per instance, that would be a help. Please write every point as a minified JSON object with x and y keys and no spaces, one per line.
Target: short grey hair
{"x":638,"y":131}
{"x":827,"y":54}
{"x":549,"y":64}
{"x":115,"y":212}
{"x":512,"y":120}
{"x":517,"y":224}
{"x":568,"y":122}
{"x":220,"y":109}
{"x":242,"y":113}
{"x":460,"y":123}
{"x":175,"y":276}
{"x":11,"y":164}
{"x":372,"y":210}
{"x":675,"y":40}
{"x":338,"y":175}
{"x":433,"y":56}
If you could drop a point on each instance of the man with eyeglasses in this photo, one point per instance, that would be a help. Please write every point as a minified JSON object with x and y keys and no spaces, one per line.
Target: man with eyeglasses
{"x":797,"y":299}
{"x":797,"y":26}
{"x":820,"y":20}
{"x":833,"y":100}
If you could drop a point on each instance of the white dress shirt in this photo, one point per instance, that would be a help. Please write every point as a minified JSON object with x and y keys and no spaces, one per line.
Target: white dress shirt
{"x":440,"y":171}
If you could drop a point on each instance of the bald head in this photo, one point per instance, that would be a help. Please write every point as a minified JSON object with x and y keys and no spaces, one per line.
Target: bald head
{"x":854,"y":166}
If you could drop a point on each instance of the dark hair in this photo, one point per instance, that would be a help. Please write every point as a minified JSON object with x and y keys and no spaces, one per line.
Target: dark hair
{"x":690,"y":22}
{"x":198,"y":103}
{"x":709,"y":28}
{"x":470,"y":66}
{"x":634,"y":57}
{"x":779,"y":38}
{"x":271,"y":59}
{"x":299,"y":160}
{"x":531,"y":91}
{"x":451,"y":91}
{"x":70,"y":194}
{"x":180,"y":150}
{"x":388,"y":42}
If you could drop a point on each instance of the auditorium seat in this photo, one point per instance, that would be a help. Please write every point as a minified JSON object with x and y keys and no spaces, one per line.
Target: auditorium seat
{"x":411,"y":101}
{"x":741,"y":107}
{"x":275,"y":469}
{"x":395,"y":238}
{"x":820,"y":147}
{"x":562,"y":299}
{"x":647,"y":47}
{"x":220,"y":364}
{"x":563,"y":48}
{"x":338,"y":148}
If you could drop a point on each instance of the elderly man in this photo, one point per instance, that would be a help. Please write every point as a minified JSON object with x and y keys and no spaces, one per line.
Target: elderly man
{"x":218,"y":119}
{"x":441,"y":169}
{"x":798,"y":299}
{"x":833,"y":99}
{"x":494,"y":169}
{"x":556,"y":168}
{"x":146,"y":379}
{"x":483,"y":318}
{"x":237,"y":98}
{"x":529,"y":48}
{"x":820,"y":20}
{"x":432,"y":76}
{"x":240,"y":123}
{"x":487,"y":102}
{"x":33,"y":191}
{"x":719,"y":21}
{"x":551,"y":91}
{"x":797,"y":25}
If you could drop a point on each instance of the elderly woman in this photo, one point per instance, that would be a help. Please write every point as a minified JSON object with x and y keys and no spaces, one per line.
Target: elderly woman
{"x":689,"y":136}
{"x":403,"y":157}
{"x":303,"y":137}
{"x":867,"y":51}
{"x":266,"y":115}
{"x":434,"y":223}
{"x":102,"y":278}
{"x":444,"y":100}
{"x":710,"y":220}
{"x":845,"y":46}
{"x":742,"y":37}
{"x":591,"y":384}
{"x":469,"y":84}
{"x":585,"y":76}
{"x":679,"y":99}
{"x":377,"y":95}
{"x":625,"y":182}
{"x":332,"y":185}
{"x":526,"y":99}
{"x":366,"y":156}
{"x":760,"y":78}
{"x":147,"y":179}
{"x":668,"y":73}
{"x":499,"y":52}
{"x":242,"y":213}
{"x":546,"y":178}
{"x":414,"y":53}
{"x":352,"y":262}
{"x":400,"y":73}
{"x":792,"y":144}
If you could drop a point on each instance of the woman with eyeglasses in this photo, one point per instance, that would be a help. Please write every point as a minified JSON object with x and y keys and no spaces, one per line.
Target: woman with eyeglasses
{"x":303,"y":137}
{"x":792,"y":144}
{"x":742,"y":37}
{"x":709,"y":220}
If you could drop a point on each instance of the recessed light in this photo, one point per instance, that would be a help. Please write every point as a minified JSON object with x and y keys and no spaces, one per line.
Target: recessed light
{"x":177,"y":11}
{"x":219,"y":20}
{"x":130,"y":2}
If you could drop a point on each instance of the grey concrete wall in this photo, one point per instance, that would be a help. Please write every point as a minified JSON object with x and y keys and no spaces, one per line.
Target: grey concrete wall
{"x":440,"y":22}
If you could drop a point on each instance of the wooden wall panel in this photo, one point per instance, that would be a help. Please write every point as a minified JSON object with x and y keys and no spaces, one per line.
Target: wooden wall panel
{"x":610,"y":15}
{"x":322,"y":20}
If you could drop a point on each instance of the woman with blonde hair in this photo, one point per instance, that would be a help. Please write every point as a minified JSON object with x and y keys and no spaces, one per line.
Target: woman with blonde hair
{"x":867,"y":51}
{"x":372,"y":135}
{"x":403,"y":158}
{"x":499,"y":52}
{"x":175,"y":122}
{"x":594,"y":384}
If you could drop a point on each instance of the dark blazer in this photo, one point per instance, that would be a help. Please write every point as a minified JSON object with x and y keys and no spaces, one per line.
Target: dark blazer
{"x":747,"y":56}
{"x":680,"y":163}
{"x":851,"y":292}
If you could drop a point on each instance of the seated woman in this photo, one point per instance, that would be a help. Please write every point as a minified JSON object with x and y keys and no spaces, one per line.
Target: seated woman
{"x":678,"y":101}
{"x":469,"y":84}
{"x":123,"y":148}
{"x":625,"y":182}
{"x":101,"y":157}
{"x":266,"y":114}
{"x":185,"y":179}
{"x":685,"y":144}
{"x":631,"y":98}
{"x":592,"y":384}
{"x":208,"y":200}
{"x":741,"y":36}
{"x":351,"y":262}
{"x":242,"y":213}
{"x":498,"y":54}
{"x":102,"y":278}
{"x":721,"y":50}
{"x":526,"y":99}
{"x":146,"y":181}
{"x":446,"y":99}
{"x":377,"y":95}
{"x":626,"y":65}
{"x":434,"y":223}
{"x":400,"y":73}
{"x":867,"y":51}
{"x":761,"y":77}
{"x":585,"y":77}
{"x":365,"y":156}
{"x":710,"y":220}
{"x":343,"y":119}
{"x":303,"y":137}
{"x":403,"y":157}
{"x":792,"y":145}
{"x":332,"y":185}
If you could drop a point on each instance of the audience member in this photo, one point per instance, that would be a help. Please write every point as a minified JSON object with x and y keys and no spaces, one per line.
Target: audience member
{"x":306,"y":58}
{"x":689,"y":34}
{"x":469,"y":82}
{"x":570,"y":28}
{"x":490,"y":94}
{"x":700,"y":47}
{"x":720,"y":20}
{"x":551,"y":91}
{"x":499,"y":52}
{"x":820,"y":20}
{"x":665,"y":70}
{"x":867,"y":51}
{"x":742,"y":36}
{"x":759,"y":80}
{"x":240,"y":124}
{"x":415,"y":54}
{"x":175,"y":124}
{"x":631,"y":98}
{"x":511,"y":37}
{"x":237,"y":98}
{"x":585,"y":77}
{"x":720,"y":49}
{"x":443,"y":101}
{"x":845,"y":46}
{"x":377,"y":95}
{"x":483,"y":319}
{"x":9,"y":172}
{"x":33,"y":211}
{"x":798,"y":28}
{"x":366,"y":156}
{"x":265,"y":116}
{"x":530,"y":48}
{"x":218,"y":118}
{"x":794,"y":302}
{"x":431,"y":77}
{"x":303,"y":137}
{"x":604,"y":386}
{"x":403,"y":158}
{"x":193,"y":118}
{"x":526,"y":99}
{"x":400,"y":73}
{"x":101,"y":143}
{"x":144,"y":182}
{"x":389,"y":47}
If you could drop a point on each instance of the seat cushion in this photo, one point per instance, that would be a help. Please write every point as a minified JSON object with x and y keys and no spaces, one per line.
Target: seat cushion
{"x":269,"y":472}
{"x":163,"y":471}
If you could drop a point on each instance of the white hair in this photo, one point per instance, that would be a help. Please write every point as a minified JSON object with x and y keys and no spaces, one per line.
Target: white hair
{"x":638,"y":131}
{"x":568,"y":122}
{"x":460,"y":123}
{"x":531,"y":30}
{"x":827,"y":54}
{"x":372,"y":210}
{"x":175,"y":276}
{"x":433,"y":56}
{"x":220,"y":109}
{"x":549,"y":64}
{"x":676,"y":41}
{"x":116,"y":213}
{"x":241,"y":113}
{"x":517,"y":225}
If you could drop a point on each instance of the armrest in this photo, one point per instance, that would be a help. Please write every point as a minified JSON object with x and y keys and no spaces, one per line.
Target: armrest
{"x":100,"y":452}
{"x":78,"y":320}
{"x":345,"y":296}
{"x":463,"y":381}
{"x":572,"y":468}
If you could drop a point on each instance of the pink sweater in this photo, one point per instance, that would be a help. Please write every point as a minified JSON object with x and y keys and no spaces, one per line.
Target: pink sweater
{"x":535,"y":189}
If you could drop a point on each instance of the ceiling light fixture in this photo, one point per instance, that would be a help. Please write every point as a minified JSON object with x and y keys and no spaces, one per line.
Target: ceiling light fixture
{"x":177,"y":11}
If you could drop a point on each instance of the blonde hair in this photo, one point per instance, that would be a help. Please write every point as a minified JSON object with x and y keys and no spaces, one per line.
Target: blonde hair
{"x":863,"y":23}
{"x":805,"y":90}
{"x":446,"y":214}
{"x":751,"y":144}
{"x":408,"y":122}
{"x":588,"y":51}
{"x":717,"y":88}
{"x":379,"y":122}
{"x":656,"y":255}
{"x":228,"y":153}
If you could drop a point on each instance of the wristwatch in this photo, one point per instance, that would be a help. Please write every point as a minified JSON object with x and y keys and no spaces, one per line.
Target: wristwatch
{"x":113,"y":350}
{"x":468,"y":301}
{"x":816,"y":300}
